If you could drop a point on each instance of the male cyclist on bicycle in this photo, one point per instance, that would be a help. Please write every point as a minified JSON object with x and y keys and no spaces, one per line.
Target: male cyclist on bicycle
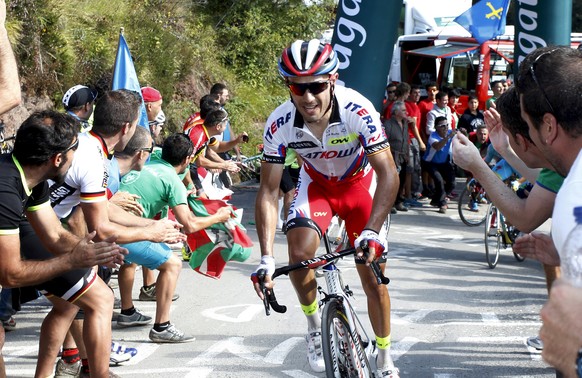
{"x":338,"y":134}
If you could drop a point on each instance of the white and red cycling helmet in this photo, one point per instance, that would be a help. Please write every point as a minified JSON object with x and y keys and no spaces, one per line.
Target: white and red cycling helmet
{"x":308,"y":58}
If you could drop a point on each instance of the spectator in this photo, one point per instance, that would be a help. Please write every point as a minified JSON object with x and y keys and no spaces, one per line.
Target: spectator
{"x":78,"y":102}
{"x":438,"y":163}
{"x":472,"y":117}
{"x":453,"y":104}
{"x":440,"y":109}
{"x":396,"y":129}
{"x":549,"y":87}
{"x":207,"y":103}
{"x":227,"y":135}
{"x":44,"y":148}
{"x":153,"y":102}
{"x":426,"y":106}
{"x":480,"y":138}
{"x":388,"y":100}
{"x":414,"y":188}
{"x":157,"y":125}
{"x":497,"y":88}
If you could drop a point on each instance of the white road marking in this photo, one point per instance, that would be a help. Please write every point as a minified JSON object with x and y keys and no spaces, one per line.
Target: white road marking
{"x":144,"y":350}
{"x":298,"y":374}
{"x":233,"y":345}
{"x":414,"y":317}
{"x":246,"y":315}
{"x":401,"y":347}
{"x":490,"y":317}
{"x":489,"y":339}
{"x":278,"y":354}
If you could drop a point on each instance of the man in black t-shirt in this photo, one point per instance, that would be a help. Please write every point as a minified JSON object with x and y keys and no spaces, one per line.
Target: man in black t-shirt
{"x":37,"y":251}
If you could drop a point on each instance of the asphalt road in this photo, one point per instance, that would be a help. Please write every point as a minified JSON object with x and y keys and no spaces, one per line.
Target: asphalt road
{"x":452,"y":316}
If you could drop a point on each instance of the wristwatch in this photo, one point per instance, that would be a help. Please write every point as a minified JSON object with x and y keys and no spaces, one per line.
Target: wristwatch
{"x":579,"y":364}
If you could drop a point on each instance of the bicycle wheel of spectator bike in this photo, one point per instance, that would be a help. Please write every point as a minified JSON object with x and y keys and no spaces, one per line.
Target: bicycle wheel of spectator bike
{"x":472,"y":206}
{"x":339,"y":346}
{"x":492,"y":236}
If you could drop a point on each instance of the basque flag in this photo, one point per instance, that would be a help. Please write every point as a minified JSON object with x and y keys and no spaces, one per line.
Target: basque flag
{"x":218,"y":244}
{"x":485,"y":20}
{"x":124,"y":76}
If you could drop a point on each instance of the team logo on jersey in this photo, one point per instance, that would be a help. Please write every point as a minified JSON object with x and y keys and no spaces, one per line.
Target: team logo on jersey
{"x":343,"y":140}
{"x":300,"y":145}
{"x":299,"y":134}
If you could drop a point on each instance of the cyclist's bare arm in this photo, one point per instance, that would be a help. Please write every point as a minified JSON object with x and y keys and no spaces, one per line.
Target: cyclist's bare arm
{"x":386,"y":191}
{"x":9,"y":83}
{"x":266,"y":209}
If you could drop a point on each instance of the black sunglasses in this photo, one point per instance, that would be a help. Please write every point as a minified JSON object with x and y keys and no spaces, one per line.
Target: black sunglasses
{"x":532,"y":70}
{"x":390,"y":92}
{"x":148,"y":149}
{"x":315,"y":87}
{"x":73,"y":146}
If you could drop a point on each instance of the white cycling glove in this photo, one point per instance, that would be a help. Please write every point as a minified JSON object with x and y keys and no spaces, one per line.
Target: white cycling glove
{"x":268,"y":264}
{"x":371,"y":238}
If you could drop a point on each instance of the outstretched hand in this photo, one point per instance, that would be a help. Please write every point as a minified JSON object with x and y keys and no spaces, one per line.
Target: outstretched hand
{"x":537,"y":246}
{"x":166,"y":231}
{"x":87,"y":254}
{"x":497,"y":135}
{"x":465,"y":154}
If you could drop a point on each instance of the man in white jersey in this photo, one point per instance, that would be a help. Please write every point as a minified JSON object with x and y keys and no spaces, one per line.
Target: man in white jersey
{"x":550,"y":88}
{"x":347,"y":170}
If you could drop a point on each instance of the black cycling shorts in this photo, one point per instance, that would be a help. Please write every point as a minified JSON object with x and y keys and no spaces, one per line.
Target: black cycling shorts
{"x":289,"y":179}
{"x":69,"y":286}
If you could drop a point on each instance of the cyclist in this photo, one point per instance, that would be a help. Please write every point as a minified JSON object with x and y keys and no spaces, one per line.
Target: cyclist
{"x":338,"y":134}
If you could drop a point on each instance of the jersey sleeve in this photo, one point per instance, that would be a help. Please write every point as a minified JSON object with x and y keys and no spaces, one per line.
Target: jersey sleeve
{"x":177,"y":193}
{"x":10,"y":209}
{"x":362,"y":115}
{"x":274,"y":144}
{"x":39,"y":197}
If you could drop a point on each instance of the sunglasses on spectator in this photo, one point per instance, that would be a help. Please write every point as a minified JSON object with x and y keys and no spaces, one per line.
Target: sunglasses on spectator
{"x":390,"y":92}
{"x":532,"y":70}
{"x":314,"y":88}
{"x":73,"y":146}
{"x":148,"y":149}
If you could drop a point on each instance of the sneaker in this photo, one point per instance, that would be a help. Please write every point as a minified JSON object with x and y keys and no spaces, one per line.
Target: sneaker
{"x":169,"y":335}
{"x":443,"y":209}
{"x":186,"y":253}
{"x":393,"y":211}
{"x":64,"y":369}
{"x":388,"y":372}
{"x":137,"y":319}
{"x":535,"y":342}
{"x":9,"y":325}
{"x":412,"y":203}
{"x":149,"y":295}
{"x":401,"y":207}
{"x":315,"y":352}
{"x":473,"y":205}
{"x":120,"y":353}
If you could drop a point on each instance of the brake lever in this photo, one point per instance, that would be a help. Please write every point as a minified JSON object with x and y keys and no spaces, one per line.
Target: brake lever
{"x":381,"y":279}
{"x":261,"y":273}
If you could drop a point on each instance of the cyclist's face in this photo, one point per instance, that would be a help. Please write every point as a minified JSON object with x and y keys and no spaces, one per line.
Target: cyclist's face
{"x":312,"y":107}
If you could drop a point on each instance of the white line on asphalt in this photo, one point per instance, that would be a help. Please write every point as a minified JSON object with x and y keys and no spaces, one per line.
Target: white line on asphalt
{"x":12,"y":353}
{"x":144,"y":350}
{"x":403,"y":346}
{"x":444,"y":375}
{"x":489,"y":339}
{"x":490,"y":317}
{"x":280,"y":352}
{"x":246,"y":314}
{"x":298,"y":374}
{"x":500,"y":324}
{"x":414,"y":317}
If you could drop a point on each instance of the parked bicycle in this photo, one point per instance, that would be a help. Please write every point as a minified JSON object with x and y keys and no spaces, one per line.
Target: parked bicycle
{"x":498,"y":235}
{"x":473,"y":203}
{"x":5,"y":147}
{"x":347,"y":348}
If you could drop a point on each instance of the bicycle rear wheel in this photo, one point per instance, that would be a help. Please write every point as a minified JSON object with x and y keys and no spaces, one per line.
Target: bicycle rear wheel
{"x":343,"y":352}
{"x":492,"y":236}
{"x":471,"y":210}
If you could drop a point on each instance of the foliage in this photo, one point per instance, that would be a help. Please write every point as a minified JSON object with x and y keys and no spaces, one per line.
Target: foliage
{"x":180,"y":47}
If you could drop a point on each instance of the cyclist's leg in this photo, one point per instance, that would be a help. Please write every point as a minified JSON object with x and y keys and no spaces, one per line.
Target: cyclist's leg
{"x":378,"y":298}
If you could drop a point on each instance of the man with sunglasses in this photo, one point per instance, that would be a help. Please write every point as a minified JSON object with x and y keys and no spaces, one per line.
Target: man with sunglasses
{"x":347,"y":170}
{"x":549,"y":86}
{"x":55,"y":261}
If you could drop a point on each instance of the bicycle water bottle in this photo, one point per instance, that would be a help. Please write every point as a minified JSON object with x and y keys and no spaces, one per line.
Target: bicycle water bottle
{"x":571,"y":258}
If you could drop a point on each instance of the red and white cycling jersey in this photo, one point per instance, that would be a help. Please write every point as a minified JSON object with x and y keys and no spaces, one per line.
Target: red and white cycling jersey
{"x":336,"y":177}
{"x":354,"y":131}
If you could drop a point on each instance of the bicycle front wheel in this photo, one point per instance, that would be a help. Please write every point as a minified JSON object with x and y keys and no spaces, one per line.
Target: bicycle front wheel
{"x":343,"y":351}
{"x":492,"y":236}
{"x":471,"y":209}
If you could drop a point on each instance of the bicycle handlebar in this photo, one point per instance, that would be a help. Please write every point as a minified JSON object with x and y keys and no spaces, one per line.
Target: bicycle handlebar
{"x":269,"y":299}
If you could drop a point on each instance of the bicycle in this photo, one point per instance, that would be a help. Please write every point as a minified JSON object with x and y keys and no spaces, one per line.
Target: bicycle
{"x":250,"y":168}
{"x":498,"y":234}
{"x":347,"y":348}
{"x":5,"y":147}
{"x":473,"y":204}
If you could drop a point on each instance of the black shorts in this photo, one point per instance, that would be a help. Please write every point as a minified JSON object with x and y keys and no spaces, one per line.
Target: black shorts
{"x":289,"y":179}
{"x":69,"y":286}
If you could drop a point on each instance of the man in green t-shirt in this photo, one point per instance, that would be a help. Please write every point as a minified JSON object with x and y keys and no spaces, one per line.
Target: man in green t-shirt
{"x":509,"y":134}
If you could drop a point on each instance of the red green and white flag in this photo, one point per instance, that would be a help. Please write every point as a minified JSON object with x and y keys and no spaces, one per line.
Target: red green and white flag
{"x":213,"y":247}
